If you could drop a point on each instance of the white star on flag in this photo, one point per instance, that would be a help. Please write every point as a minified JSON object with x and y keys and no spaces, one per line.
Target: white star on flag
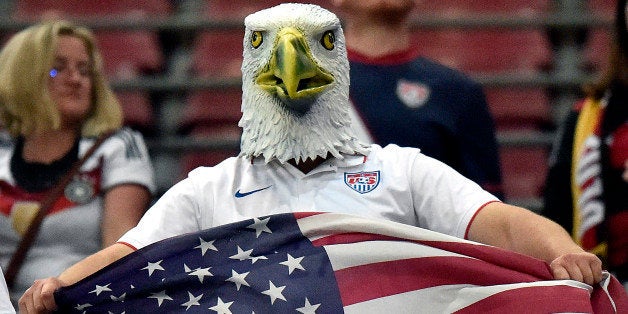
{"x":308,"y":308}
{"x":242,"y":255}
{"x":118,"y":299}
{"x":260,"y":226}
{"x":205,"y":245}
{"x":221,"y":307}
{"x":193,"y":301}
{"x":100,"y":289}
{"x":238,"y":279}
{"x":81,"y":307}
{"x":160,"y":296}
{"x":274,"y":292}
{"x":201,"y":273}
{"x":257,"y":258}
{"x":293,"y":263}
{"x":153,"y":267}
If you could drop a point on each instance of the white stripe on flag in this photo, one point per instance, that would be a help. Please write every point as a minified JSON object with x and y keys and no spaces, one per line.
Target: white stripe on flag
{"x":343,"y":256}
{"x":317,"y":226}
{"x":429,"y":300}
{"x":446,"y":298}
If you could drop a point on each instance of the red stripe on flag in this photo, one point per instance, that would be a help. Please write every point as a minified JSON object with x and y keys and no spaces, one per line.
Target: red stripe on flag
{"x":498,"y":256}
{"x":538,"y":299}
{"x":501,"y":257}
{"x":355,"y":237}
{"x":299,"y":215}
{"x":376,"y":280}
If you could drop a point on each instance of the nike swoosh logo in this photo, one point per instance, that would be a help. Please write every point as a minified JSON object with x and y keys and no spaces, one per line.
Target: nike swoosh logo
{"x":238,"y":194}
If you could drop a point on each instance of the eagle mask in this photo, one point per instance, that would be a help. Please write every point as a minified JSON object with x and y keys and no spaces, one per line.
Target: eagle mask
{"x":295,"y":84}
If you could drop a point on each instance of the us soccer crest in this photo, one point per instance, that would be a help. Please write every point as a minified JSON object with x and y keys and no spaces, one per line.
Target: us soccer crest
{"x":412,"y":94}
{"x":362,"y":182}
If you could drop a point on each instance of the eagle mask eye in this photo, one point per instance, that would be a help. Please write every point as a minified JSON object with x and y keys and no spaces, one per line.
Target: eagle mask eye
{"x":256,"y":39}
{"x":328,"y":40}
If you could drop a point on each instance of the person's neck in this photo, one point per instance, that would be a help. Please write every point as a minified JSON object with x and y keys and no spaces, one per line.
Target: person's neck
{"x":373,"y":39}
{"x":46,"y":147}
{"x":309,"y":164}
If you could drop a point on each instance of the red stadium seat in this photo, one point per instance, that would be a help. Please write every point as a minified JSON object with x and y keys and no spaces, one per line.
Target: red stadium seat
{"x":92,"y":8}
{"x":486,"y":50}
{"x":519,"y":109}
{"x":218,"y":53}
{"x":215,"y":54}
{"x":466,"y":7}
{"x":235,"y":9}
{"x":219,"y":109}
{"x":130,"y":54}
{"x":597,"y":49}
{"x":191,"y":160}
{"x":238,"y":9}
{"x":211,"y":114}
{"x":137,"y":110}
{"x":605,"y":8}
{"x":523,"y":171}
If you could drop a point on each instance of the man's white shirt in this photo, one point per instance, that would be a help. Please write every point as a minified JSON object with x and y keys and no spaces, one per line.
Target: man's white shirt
{"x":391,"y":183}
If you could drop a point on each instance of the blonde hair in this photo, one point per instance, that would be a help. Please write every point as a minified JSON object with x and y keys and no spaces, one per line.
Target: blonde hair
{"x":25,"y":64}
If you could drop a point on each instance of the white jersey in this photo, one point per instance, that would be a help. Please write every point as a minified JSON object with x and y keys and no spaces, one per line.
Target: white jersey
{"x":6,"y":307}
{"x":392,"y":183}
{"x":71,"y":230}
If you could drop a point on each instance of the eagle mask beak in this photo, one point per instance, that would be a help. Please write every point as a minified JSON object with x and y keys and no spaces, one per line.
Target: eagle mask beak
{"x":292,"y":74}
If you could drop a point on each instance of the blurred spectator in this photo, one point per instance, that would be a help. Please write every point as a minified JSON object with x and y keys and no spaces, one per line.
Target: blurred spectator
{"x":587,"y":184}
{"x":54,"y":101}
{"x":405,"y":99}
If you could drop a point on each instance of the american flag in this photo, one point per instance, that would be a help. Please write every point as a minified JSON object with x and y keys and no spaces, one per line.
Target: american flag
{"x":330,"y":263}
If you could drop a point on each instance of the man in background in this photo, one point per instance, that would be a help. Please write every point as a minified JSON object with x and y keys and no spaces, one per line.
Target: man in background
{"x":402,"y":98}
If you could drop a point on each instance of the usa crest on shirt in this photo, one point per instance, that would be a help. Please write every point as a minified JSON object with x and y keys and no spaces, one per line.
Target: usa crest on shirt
{"x":412,"y":94}
{"x":362,"y":182}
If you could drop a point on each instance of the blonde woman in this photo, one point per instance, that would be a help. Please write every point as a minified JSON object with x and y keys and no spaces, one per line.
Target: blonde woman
{"x":54,"y":102}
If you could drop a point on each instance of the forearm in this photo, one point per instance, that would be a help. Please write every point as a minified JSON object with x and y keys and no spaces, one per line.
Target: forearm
{"x":39,"y":298}
{"x":540,"y":237}
{"x":94,"y":263}
{"x":522,"y":231}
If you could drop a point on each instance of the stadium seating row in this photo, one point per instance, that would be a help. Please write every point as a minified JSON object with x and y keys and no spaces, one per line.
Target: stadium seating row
{"x":217,"y":53}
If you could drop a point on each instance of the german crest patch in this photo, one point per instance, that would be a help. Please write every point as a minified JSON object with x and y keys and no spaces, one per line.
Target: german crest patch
{"x":362,"y":182}
{"x":79,"y":191}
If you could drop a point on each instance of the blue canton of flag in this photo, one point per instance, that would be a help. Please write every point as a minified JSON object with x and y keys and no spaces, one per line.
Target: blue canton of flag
{"x":256,"y":266}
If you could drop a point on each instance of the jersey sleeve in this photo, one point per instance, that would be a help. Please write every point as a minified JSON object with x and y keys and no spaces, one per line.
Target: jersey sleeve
{"x":444,"y":200}
{"x":175,"y":213}
{"x":126,"y":160}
